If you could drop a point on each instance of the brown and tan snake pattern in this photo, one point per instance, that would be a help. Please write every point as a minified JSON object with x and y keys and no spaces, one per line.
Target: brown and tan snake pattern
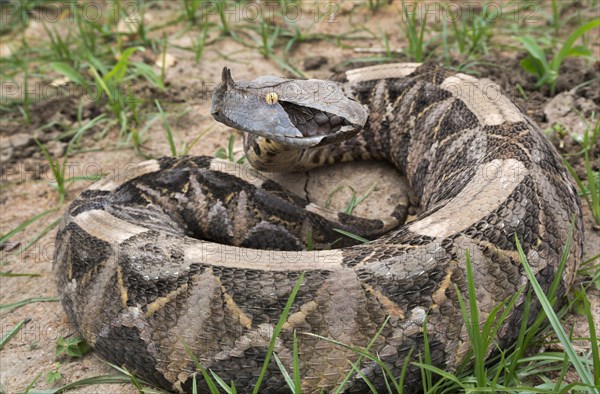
{"x":142,"y":264}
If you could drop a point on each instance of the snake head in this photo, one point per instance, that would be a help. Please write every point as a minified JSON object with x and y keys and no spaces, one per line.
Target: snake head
{"x":295,"y":112}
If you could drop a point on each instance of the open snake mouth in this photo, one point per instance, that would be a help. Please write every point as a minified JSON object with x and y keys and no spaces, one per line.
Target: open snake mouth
{"x":313,"y":122}
{"x":297,"y":113}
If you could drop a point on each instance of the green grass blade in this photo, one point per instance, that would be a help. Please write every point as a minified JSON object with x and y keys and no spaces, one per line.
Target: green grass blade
{"x":471,"y":319}
{"x":579,"y":183}
{"x":212,"y":387}
{"x":500,"y":366}
{"x":405,"y":368}
{"x":593,"y":336}
{"x":69,"y":72}
{"x":534,"y":50}
{"x":519,"y":351}
{"x":364,"y":378}
{"x":593,"y":188}
{"x":39,"y":235}
{"x":286,"y":375}
{"x":518,"y":389}
{"x":57,"y":171}
{"x":477,"y":340}
{"x":167,"y":128}
{"x":590,"y":261}
{"x":440,"y":372}
{"x":99,"y":81}
{"x":561,"y":375}
{"x":351,"y":235}
{"x":24,"y":225}
{"x":384,"y":367}
{"x":563,"y":262}
{"x":15,"y":305}
{"x":577,"y":388}
{"x":230,"y":147}
{"x":134,"y":380}
{"x":17,"y":275}
{"x":146,"y":71}
{"x":356,"y":364}
{"x":490,"y":329}
{"x":118,"y":72}
{"x":222,"y":383}
{"x":297,"y":382}
{"x":87,"y":178}
{"x":426,"y":374}
{"x":102,"y":379}
{"x":191,"y":144}
{"x":13,"y":331}
{"x":353,"y":203}
{"x":309,"y":239}
{"x":584,"y":373}
{"x":276,"y":331}
{"x":566,"y":48}
{"x":30,"y":385}
{"x":96,"y":63}
{"x":533,"y":66}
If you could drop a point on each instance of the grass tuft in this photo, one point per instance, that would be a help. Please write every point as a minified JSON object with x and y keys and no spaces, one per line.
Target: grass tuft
{"x":414,"y":34}
{"x":574,"y":358}
{"x":282,"y":319}
{"x":547,"y":71}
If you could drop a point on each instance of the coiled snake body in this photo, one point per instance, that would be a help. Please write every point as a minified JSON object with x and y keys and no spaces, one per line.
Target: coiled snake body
{"x":138,"y":282}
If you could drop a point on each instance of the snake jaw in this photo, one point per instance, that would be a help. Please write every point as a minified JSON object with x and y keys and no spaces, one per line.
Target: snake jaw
{"x":296,"y":113}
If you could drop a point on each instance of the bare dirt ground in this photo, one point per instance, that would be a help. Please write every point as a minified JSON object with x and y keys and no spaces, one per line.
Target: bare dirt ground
{"x":26,"y":189}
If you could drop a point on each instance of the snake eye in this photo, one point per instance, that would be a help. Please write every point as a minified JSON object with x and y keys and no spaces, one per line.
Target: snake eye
{"x":271,"y":98}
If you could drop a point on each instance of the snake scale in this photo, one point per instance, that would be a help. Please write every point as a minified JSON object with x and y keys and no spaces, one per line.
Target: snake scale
{"x":142,"y":265}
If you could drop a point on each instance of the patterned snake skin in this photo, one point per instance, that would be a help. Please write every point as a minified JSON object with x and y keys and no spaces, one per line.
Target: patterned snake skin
{"x":142,"y":264}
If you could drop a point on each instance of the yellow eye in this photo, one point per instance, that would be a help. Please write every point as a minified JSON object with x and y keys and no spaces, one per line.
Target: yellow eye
{"x":271,"y":98}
